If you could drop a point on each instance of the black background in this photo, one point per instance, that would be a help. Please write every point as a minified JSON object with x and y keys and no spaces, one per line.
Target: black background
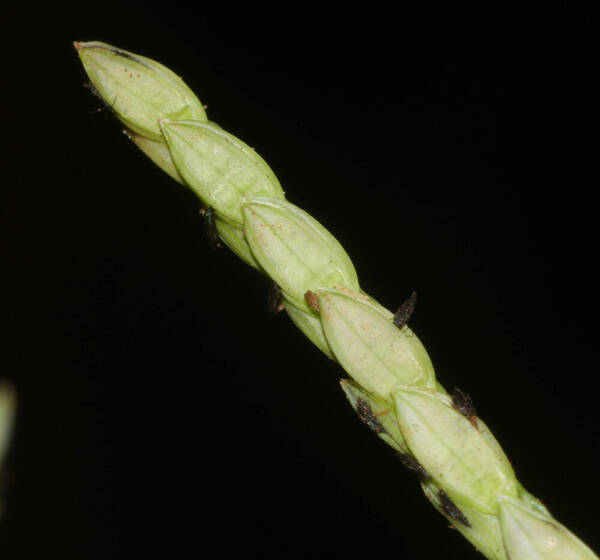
{"x":161,"y":410}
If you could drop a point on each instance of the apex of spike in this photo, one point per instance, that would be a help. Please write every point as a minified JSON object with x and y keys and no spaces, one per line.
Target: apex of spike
{"x":138,"y":90}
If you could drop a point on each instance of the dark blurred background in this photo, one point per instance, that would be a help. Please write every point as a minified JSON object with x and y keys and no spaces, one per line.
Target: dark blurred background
{"x":161,"y":409}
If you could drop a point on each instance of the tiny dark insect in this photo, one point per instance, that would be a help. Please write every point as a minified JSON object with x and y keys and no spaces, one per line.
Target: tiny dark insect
{"x":450,"y":509}
{"x":275,"y":299}
{"x":404,"y":312}
{"x":366,"y":414}
{"x":462,"y":402}
{"x":312,"y":300}
{"x":413,"y":465}
{"x":210,"y":227}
